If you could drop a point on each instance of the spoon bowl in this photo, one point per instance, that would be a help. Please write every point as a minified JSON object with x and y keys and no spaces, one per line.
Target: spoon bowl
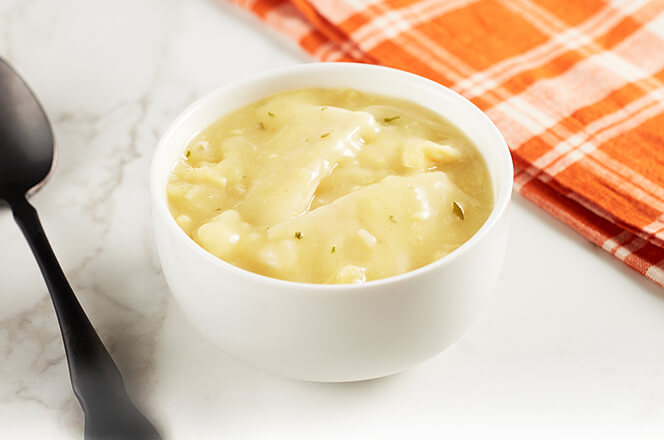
{"x":26,"y":138}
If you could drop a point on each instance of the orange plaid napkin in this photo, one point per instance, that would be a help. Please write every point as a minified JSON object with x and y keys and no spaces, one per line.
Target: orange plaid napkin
{"x":575,"y":86}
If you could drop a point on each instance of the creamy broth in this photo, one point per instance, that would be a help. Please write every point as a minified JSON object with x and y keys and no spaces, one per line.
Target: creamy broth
{"x":330,"y":186}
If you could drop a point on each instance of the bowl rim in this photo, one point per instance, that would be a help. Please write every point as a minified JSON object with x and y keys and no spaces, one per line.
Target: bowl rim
{"x":503,"y":186}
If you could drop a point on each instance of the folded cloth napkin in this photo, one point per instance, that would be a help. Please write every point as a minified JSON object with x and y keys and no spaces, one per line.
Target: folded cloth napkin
{"x":575,"y":86}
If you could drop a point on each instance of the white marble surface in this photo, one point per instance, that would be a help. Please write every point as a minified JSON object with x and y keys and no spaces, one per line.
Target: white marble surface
{"x":572,"y":345}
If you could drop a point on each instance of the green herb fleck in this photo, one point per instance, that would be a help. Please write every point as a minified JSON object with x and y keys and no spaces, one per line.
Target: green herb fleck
{"x":458,"y":210}
{"x":270,"y":114}
{"x":187,"y":154}
{"x":324,"y":135}
{"x":393,"y":118}
{"x":323,"y":108}
{"x":298,"y":235}
{"x":333,"y":250}
{"x":392,"y":219}
{"x":218,"y":209}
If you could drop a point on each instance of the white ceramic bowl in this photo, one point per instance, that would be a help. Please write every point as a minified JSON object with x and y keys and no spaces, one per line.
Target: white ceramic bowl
{"x":333,"y":332}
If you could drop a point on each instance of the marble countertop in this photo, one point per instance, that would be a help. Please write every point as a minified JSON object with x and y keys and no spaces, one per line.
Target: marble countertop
{"x":572,"y":345}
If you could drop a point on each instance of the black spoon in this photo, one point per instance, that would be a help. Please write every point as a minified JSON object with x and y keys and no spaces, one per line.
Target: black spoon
{"x":26,"y":159}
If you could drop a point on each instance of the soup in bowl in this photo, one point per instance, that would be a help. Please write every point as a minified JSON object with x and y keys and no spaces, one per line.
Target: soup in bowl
{"x":331,"y":222}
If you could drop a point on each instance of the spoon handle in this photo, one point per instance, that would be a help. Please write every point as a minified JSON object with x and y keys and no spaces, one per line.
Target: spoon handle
{"x":96,"y":380}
